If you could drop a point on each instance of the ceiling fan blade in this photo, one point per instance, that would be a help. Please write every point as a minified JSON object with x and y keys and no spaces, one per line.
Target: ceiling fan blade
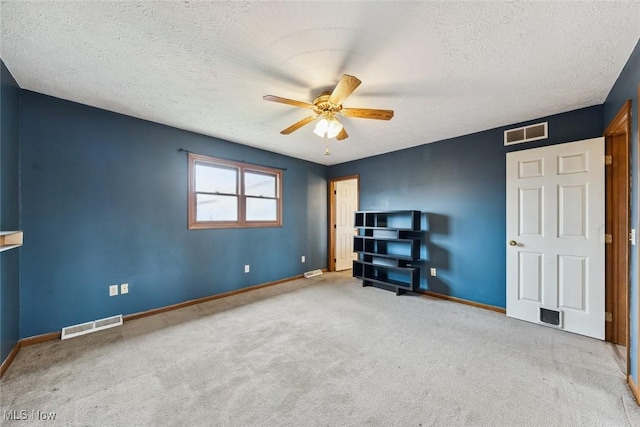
{"x":343,"y":89}
{"x":294,"y":127}
{"x":365,"y":113}
{"x":293,"y":102}
{"x":342,"y":135}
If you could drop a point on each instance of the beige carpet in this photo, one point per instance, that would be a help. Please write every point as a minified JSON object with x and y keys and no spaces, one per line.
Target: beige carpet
{"x":321,"y":352}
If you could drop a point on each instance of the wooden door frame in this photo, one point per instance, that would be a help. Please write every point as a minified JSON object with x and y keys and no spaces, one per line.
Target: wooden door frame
{"x":620,"y":259}
{"x":331,"y":188}
{"x":637,"y":337}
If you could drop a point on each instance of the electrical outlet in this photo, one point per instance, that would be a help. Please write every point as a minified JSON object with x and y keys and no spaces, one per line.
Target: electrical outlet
{"x":113,"y":290}
{"x":302,"y":259}
{"x":246,"y":268}
{"x":433,"y":272}
{"x":124,"y":288}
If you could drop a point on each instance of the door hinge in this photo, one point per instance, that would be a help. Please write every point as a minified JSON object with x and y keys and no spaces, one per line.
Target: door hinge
{"x":608,"y":317}
{"x":608,"y":238}
{"x":335,"y":226}
{"x":608,"y":160}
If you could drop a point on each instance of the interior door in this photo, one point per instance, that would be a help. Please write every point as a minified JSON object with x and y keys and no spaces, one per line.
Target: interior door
{"x":346,"y":205}
{"x":555,"y":236}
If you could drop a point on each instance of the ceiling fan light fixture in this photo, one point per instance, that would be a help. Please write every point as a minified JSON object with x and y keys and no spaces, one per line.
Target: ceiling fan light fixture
{"x":328,"y":126}
{"x":334,"y":128}
{"x":321,"y":127}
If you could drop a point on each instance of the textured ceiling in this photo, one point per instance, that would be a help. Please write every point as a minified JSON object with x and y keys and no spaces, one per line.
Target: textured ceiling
{"x":446,"y":68}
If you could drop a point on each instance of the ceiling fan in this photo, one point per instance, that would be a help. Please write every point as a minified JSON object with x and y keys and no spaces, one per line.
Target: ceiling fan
{"x":327,"y":106}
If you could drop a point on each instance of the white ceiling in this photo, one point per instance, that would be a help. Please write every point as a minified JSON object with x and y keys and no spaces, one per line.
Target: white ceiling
{"x":445,"y":68}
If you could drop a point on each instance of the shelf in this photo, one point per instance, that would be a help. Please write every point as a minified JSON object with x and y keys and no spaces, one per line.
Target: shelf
{"x":388,"y":239}
{"x":389,"y":267}
{"x":396,"y":248}
{"x":391,"y":256}
{"x":372,"y":277}
{"x":407,"y":220}
{"x":10,"y":240}
{"x":385,"y":228}
{"x":392,"y":283}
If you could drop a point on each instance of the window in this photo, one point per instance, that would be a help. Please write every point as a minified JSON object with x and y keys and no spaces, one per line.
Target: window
{"x":227,"y":194}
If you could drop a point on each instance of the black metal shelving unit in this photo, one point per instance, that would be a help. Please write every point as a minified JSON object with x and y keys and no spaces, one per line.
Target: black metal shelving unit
{"x":388,"y":243}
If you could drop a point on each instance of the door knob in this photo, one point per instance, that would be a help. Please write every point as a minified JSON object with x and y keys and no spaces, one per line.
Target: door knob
{"x":513,"y":243}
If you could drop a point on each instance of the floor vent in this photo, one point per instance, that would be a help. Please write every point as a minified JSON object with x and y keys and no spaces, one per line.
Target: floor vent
{"x":312,"y":273}
{"x":87,"y":328}
{"x":526,"y":133}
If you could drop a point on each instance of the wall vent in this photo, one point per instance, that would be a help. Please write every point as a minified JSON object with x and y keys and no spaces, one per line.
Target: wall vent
{"x":88,"y":327}
{"x":312,"y":273}
{"x":526,"y":133}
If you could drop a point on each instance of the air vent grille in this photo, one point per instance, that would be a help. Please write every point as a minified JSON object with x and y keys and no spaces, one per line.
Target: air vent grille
{"x":77,"y":329}
{"x":526,"y":133}
{"x":312,"y":273}
{"x":514,"y":136}
{"x":109,"y":321}
{"x":88,"y":327}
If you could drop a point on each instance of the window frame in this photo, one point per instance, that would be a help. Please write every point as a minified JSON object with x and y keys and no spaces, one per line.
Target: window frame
{"x":241,"y":168}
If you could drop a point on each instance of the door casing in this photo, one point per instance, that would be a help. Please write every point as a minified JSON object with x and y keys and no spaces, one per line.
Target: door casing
{"x":332,"y":216}
{"x":618,"y":220}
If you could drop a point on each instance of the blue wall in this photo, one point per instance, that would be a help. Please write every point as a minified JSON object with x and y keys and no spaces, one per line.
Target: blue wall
{"x":460,"y":184}
{"x":9,"y":211}
{"x":104,"y":202}
{"x":626,"y":87}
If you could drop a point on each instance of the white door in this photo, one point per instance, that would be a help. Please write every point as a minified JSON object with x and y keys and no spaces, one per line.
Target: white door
{"x":346,"y":205}
{"x":555,"y":236}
